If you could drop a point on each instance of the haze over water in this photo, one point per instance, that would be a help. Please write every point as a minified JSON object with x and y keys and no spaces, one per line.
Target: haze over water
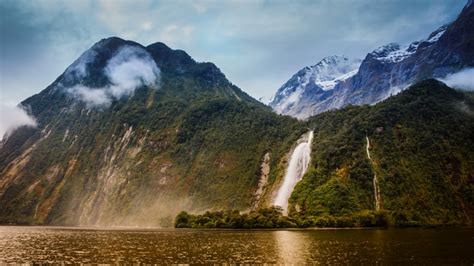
{"x":77,"y":245}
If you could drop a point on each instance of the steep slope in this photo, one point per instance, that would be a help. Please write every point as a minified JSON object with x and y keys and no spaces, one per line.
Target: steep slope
{"x":418,"y":146}
{"x":129,"y":135}
{"x":391,"y":68}
{"x":291,"y":98}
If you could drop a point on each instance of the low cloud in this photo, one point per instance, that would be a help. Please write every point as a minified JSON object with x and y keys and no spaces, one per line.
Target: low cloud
{"x":130,"y":68}
{"x":91,"y":96}
{"x":463,"y":79}
{"x":13,"y":117}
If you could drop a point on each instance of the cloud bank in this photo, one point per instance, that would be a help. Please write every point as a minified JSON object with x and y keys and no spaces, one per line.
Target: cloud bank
{"x":13,"y":117}
{"x":463,"y":79}
{"x":130,"y":68}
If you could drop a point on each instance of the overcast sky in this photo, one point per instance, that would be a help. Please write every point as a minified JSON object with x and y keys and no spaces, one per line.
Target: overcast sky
{"x":257,"y":44}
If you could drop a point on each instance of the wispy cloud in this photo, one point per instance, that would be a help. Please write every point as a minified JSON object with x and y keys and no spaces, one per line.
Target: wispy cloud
{"x":463,"y":79}
{"x":13,"y":117}
{"x":130,"y":68}
{"x":93,"y":97}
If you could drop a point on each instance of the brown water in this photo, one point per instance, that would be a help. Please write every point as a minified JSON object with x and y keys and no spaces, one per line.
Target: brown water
{"x":79,"y":245}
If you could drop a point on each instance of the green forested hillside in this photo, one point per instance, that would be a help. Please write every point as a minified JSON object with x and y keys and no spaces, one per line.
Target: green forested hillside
{"x":195,"y":143}
{"x":422,"y":145}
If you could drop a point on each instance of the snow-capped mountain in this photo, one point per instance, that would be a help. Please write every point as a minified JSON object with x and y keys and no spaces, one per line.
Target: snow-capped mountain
{"x":323,"y":76}
{"x":384,"y":72}
{"x":393,"y":53}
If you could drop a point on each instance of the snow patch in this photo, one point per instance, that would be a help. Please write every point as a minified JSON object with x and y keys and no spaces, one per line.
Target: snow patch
{"x":332,"y":70}
{"x":393,"y":53}
{"x":434,"y":36}
{"x":323,"y":76}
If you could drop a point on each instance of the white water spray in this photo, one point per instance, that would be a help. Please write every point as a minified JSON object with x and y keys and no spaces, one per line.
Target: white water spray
{"x":375,"y":180}
{"x":297,"y":167}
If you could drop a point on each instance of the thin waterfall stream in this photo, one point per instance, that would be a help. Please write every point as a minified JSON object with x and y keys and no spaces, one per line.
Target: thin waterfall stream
{"x":297,"y":167}
{"x":375,"y":180}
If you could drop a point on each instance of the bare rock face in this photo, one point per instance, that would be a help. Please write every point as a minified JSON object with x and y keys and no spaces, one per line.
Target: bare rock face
{"x":263,"y":181}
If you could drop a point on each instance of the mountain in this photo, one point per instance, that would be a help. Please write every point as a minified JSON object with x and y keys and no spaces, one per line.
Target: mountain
{"x":406,"y":161}
{"x":291,"y":98}
{"x":129,"y":135}
{"x":421,"y":148}
{"x":388,"y":70}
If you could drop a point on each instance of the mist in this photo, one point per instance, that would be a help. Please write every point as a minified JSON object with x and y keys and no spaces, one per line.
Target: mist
{"x":91,"y":96}
{"x":13,"y":117}
{"x":130,"y":68}
{"x":463,"y":79}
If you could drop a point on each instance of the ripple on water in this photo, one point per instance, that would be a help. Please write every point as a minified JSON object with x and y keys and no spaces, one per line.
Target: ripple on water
{"x":63,"y":245}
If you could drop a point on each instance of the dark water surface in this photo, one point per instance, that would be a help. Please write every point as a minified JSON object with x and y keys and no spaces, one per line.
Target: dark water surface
{"x":80,"y":245}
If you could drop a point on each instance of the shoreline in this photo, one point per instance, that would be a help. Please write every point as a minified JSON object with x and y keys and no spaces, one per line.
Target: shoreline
{"x":122,"y":228}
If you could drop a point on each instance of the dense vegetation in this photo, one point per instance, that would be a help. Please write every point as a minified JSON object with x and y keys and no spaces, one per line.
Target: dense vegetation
{"x":272,"y":218}
{"x":197,"y":142}
{"x":422,"y":145}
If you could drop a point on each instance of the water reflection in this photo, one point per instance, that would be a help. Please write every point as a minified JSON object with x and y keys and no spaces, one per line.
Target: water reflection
{"x":66,"y":245}
{"x":291,"y":246}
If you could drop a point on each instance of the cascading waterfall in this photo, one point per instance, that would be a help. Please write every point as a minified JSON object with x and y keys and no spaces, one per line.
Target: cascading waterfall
{"x":375,"y":180}
{"x":299,"y":162}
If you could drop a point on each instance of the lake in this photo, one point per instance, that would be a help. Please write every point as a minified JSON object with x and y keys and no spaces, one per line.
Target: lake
{"x":375,"y":246}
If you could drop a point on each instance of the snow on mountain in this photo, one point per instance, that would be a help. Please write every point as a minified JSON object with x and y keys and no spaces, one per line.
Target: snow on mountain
{"x":384,"y":72}
{"x":332,"y":70}
{"x":265,"y":100}
{"x":323,"y":76}
{"x":393,"y":53}
{"x":434,"y":36}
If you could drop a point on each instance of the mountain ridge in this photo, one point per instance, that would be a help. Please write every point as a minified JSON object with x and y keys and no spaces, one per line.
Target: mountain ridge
{"x":389,"y":69}
{"x":321,"y":77}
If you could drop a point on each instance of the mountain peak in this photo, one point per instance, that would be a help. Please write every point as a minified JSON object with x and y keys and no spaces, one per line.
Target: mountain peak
{"x":333,"y":59}
{"x":470,"y":3}
{"x":159,"y":45}
{"x":385,"y":71}
{"x":170,"y":59}
{"x":90,"y":66}
{"x":323,"y":76}
{"x":387,"y":53}
{"x":109,"y":40}
{"x":435,"y":35}
{"x":111,"y":44}
{"x":333,"y":69}
{"x":394,"y":53}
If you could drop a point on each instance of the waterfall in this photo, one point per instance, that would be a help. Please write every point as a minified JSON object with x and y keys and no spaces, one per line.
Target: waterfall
{"x":299,"y":162}
{"x":375,"y":180}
